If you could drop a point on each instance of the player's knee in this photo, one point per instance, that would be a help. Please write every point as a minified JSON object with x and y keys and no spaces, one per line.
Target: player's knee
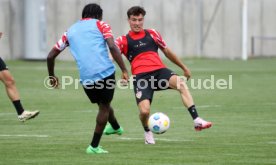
{"x":181,"y":87}
{"x":145,"y":112}
{"x":102,"y":119}
{"x":9,"y":82}
{"x":104,"y":106}
{"x":101,"y":122}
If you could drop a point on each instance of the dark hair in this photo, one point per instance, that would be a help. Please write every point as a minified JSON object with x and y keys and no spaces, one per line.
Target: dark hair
{"x":136,"y":10}
{"x":92,"y":10}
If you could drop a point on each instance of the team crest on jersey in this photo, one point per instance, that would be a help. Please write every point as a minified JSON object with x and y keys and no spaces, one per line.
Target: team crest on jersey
{"x":139,"y":94}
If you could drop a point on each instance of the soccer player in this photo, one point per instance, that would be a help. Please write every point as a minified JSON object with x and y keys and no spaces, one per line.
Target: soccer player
{"x":140,"y":46}
{"x":12,"y":92}
{"x":87,"y":39}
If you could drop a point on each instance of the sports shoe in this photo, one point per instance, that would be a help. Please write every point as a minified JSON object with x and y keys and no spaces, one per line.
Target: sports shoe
{"x":149,"y":139}
{"x":97,"y":150}
{"x":108,"y":130}
{"x":201,"y":124}
{"x":26,"y":115}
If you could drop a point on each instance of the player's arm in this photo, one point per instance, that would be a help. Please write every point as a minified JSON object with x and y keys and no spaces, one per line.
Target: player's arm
{"x":51,"y":66}
{"x":115,"y":53}
{"x":168,"y":53}
{"x":105,"y":29}
{"x":59,"y":47}
{"x":173,"y":58}
{"x":1,"y":34}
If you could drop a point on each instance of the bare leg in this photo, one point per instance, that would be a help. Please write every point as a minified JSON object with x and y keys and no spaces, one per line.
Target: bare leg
{"x":187,"y":99}
{"x":13,"y":94}
{"x":102,"y":117}
{"x":101,"y":121}
{"x":8,"y":80}
{"x":112,"y":119}
{"x":176,"y":83}
{"x":144,"y":107}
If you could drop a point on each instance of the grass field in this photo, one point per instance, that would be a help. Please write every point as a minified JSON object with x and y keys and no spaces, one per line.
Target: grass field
{"x":244,"y":118}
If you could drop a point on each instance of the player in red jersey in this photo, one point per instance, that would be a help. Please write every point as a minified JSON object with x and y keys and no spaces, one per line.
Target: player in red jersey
{"x":140,"y":46}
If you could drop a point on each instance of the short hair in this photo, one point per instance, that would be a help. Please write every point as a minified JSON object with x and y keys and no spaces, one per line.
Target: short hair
{"x":92,"y":10}
{"x":136,"y":10}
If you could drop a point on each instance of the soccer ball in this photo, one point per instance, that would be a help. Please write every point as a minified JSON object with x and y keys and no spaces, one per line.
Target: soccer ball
{"x":159,"y":123}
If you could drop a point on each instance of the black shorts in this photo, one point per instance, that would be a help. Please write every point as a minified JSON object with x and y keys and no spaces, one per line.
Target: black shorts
{"x":3,"y":66}
{"x":146,"y":83}
{"x":101,"y":91}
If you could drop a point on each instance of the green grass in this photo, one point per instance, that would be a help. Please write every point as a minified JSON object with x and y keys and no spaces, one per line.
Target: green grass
{"x":244,"y":130}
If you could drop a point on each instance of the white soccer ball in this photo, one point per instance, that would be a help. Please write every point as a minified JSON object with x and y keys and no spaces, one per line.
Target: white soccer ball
{"x":159,"y":123}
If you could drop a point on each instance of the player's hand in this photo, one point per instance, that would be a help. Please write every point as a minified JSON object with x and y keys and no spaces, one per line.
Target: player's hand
{"x":124,"y":78}
{"x":54,"y":81}
{"x":187,"y":73}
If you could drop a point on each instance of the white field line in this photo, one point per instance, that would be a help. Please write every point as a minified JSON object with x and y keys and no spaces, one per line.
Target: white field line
{"x":42,"y":68}
{"x":273,"y":142}
{"x":8,"y":113}
{"x":159,"y":139}
{"x":217,"y":106}
{"x":23,"y":135}
{"x":198,"y":106}
{"x":208,"y":106}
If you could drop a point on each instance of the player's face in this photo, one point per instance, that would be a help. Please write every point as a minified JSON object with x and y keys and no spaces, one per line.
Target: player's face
{"x":136,"y":23}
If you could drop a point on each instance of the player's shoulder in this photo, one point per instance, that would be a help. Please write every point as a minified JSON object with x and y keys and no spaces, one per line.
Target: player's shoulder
{"x":102,"y":23}
{"x":121,"y":38}
{"x":154,"y":32}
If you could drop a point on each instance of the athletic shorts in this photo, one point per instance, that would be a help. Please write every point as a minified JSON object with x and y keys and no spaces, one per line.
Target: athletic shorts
{"x":101,"y":91}
{"x":3,"y":66}
{"x":146,"y":83}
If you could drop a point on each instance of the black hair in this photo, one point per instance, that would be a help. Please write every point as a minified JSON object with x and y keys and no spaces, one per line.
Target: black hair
{"x":92,"y":10}
{"x":136,"y":10}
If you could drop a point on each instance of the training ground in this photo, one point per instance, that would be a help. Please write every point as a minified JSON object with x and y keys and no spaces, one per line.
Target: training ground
{"x":243,"y":117}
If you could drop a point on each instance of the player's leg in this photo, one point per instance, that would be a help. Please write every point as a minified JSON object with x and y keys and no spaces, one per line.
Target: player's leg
{"x":103,"y":97}
{"x":175,"y":82}
{"x":113,"y":127}
{"x":143,"y":95}
{"x":8,"y":81}
{"x":144,"y":108}
{"x":101,"y":121}
{"x":179,"y":84}
{"x":13,"y":94}
{"x":95,"y":97}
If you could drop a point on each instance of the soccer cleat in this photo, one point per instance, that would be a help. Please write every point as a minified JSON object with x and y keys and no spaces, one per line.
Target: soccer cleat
{"x":26,"y":115}
{"x":149,"y":139}
{"x":97,"y":150}
{"x":108,"y":130}
{"x":201,"y":124}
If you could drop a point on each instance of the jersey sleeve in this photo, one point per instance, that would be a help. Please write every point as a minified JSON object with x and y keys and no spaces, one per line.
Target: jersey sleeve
{"x":105,"y":29}
{"x":121,"y":43}
{"x":157,"y":38}
{"x":62,"y":42}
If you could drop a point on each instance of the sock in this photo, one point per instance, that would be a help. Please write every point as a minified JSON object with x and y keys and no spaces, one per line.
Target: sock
{"x":146,"y":129}
{"x":18,"y":107}
{"x":115,"y":125}
{"x":193,"y":112}
{"x":96,"y":140}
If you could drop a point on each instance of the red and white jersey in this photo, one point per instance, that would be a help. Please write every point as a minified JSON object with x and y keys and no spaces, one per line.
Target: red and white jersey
{"x":103,"y":27}
{"x":145,"y":61}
